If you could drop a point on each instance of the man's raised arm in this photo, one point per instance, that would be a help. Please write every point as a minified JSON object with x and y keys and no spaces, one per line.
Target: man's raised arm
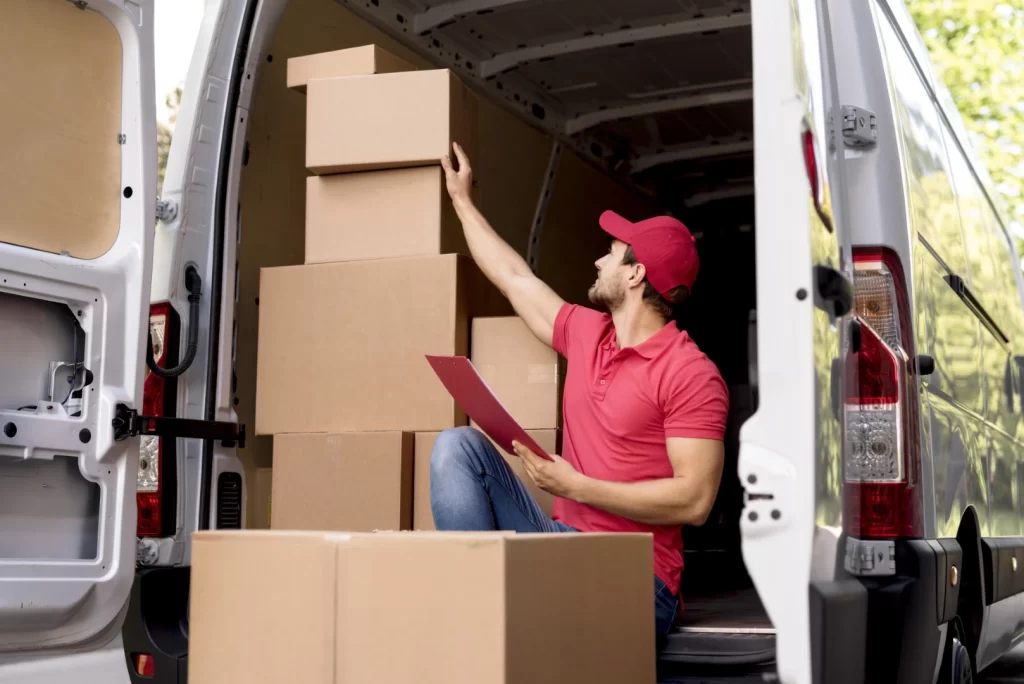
{"x":535,"y":302}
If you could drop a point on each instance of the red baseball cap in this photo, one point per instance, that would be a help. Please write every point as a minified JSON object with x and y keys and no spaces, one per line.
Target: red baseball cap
{"x":662,"y":244}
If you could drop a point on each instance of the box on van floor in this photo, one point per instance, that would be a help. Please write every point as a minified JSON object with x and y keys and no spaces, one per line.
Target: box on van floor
{"x":403,"y":119}
{"x":342,"y":345}
{"x":380,"y":214}
{"x":423,"y":519}
{"x":357,"y":61}
{"x":431,"y":608}
{"x":350,"y":482}
{"x":523,"y":372}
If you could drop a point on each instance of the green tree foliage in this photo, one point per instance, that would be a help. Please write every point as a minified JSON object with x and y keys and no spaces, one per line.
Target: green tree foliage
{"x":978,"y":49}
{"x":163,"y":137}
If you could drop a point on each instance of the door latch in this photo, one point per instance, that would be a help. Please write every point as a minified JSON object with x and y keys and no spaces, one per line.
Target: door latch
{"x":128,"y":423}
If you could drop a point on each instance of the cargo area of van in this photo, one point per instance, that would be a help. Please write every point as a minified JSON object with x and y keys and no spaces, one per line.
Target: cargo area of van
{"x":642,"y":108}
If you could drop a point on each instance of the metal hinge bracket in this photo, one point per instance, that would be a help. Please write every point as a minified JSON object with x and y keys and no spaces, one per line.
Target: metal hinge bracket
{"x":166,"y":210}
{"x":870,"y":558}
{"x":860,"y":128}
{"x":128,"y":423}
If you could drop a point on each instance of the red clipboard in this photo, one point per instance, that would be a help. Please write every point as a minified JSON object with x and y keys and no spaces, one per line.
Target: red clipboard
{"x":460,"y":377}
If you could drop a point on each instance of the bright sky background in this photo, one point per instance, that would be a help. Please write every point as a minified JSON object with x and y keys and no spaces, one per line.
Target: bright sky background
{"x":176,"y":26}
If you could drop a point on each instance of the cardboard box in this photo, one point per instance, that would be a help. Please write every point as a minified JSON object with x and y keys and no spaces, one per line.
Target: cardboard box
{"x":423,"y":519}
{"x":402,"y":119}
{"x":357,"y":61}
{"x":431,"y":608}
{"x":260,"y":496}
{"x":350,"y":482}
{"x":523,"y":372}
{"x":342,"y":345}
{"x":380,"y":214}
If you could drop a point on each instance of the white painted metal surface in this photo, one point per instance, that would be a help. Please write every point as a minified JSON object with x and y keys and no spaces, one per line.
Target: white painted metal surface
{"x":507,"y":60}
{"x":51,"y":606}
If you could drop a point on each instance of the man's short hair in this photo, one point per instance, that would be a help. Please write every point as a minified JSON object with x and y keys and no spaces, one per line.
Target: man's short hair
{"x":660,"y":303}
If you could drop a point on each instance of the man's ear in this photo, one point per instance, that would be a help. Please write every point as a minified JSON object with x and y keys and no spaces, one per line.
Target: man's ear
{"x":636,"y":278}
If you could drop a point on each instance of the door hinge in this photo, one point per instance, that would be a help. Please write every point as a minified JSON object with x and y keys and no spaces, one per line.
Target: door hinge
{"x":166,"y":210}
{"x":859,"y":127}
{"x":128,"y":423}
{"x":870,"y":558}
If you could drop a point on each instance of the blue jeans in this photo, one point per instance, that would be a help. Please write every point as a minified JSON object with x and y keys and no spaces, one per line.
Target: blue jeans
{"x":473,"y":488}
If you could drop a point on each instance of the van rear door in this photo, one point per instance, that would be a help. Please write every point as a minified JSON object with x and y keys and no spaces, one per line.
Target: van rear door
{"x":77,"y":187}
{"x":790,"y":460}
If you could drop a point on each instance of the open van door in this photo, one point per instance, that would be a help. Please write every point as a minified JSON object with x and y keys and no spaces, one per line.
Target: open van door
{"x":790,"y":453}
{"x":77,"y":186}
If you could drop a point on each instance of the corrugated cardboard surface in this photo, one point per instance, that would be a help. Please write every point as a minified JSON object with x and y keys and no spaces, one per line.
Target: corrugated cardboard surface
{"x":358,"y":61}
{"x":432,"y":608}
{"x":595,"y":589}
{"x":380,"y":214}
{"x":350,"y":482}
{"x":260,"y":495}
{"x":423,"y":519}
{"x":402,"y":119}
{"x":60,"y":180}
{"x":342,"y":345}
{"x":522,"y":371}
{"x":262,"y":608}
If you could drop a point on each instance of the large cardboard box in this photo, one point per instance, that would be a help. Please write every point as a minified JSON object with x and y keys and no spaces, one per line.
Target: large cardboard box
{"x":431,"y":608}
{"x":260,"y":496}
{"x":402,"y":119}
{"x":358,"y":61}
{"x":342,"y":345}
{"x":380,"y":214}
{"x":423,"y":519}
{"x":524,"y":373}
{"x":350,"y":482}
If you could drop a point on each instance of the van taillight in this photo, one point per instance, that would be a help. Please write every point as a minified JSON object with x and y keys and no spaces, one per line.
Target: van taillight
{"x":158,"y":395}
{"x":881,"y":444}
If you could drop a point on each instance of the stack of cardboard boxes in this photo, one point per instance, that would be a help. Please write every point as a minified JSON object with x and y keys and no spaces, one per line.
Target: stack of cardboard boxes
{"x":335,"y":592}
{"x":342,"y":383}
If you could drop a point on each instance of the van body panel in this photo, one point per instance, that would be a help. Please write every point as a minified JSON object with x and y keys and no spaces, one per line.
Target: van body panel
{"x":790,"y":460}
{"x":67,"y":486}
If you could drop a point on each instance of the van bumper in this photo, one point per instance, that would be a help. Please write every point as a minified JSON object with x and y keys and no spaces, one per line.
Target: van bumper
{"x":886,"y":629}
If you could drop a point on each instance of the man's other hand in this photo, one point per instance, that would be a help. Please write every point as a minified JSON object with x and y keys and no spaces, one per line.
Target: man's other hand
{"x":556,"y":476}
{"x":460,"y":182}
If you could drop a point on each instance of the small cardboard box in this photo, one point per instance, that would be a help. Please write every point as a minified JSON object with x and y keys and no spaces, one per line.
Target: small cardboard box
{"x":260,"y":496}
{"x":431,"y":608}
{"x":358,"y":61}
{"x":523,"y":372}
{"x":380,"y":214}
{"x":350,"y":482}
{"x":400,"y":120}
{"x":423,"y":519}
{"x":342,"y":345}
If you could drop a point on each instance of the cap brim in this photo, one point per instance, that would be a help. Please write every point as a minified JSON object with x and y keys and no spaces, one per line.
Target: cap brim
{"x":619,"y":228}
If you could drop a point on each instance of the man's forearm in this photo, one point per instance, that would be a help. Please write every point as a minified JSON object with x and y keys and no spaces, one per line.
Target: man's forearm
{"x":495,"y":257}
{"x":666,"y":501}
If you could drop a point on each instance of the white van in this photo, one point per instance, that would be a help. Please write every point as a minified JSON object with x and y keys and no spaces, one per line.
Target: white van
{"x":859,"y":293}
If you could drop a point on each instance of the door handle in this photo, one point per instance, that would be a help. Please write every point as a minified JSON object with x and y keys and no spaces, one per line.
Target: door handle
{"x":833,"y":291}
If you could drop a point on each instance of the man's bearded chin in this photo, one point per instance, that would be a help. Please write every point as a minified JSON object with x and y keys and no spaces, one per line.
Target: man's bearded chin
{"x":605,"y":296}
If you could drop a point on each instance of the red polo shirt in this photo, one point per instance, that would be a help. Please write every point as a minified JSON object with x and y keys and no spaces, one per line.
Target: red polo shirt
{"x":619,"y":405}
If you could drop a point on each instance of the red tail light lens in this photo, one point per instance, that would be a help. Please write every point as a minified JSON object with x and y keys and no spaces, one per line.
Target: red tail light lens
{"x":158,"y":395}
{"x":811,"y":164}
{"x":881,"y":444}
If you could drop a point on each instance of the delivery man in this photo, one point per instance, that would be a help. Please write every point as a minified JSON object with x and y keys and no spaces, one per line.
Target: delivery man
{"x":644,"y":410}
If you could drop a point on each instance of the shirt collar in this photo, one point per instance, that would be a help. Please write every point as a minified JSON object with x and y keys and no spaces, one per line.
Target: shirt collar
{"x":653,"y":345}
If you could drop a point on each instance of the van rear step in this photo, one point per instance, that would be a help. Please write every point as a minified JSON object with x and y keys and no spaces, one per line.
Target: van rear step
{"x":719,"y":648}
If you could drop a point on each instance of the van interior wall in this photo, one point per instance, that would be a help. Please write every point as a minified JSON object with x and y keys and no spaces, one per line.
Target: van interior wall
{"x":512,"y":162}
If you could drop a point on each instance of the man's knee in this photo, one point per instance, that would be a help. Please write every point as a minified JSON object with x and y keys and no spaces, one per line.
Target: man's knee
{"x":454,"y":448}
